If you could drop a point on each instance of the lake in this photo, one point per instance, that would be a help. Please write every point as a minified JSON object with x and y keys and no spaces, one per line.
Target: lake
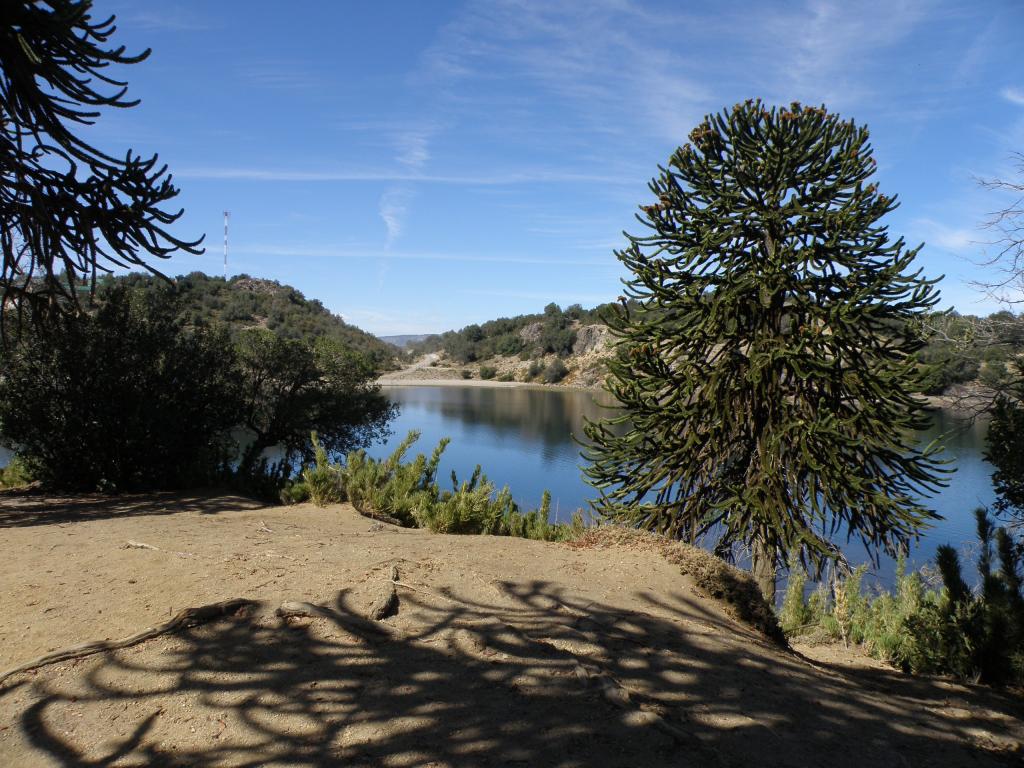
{"x":523,"y":438}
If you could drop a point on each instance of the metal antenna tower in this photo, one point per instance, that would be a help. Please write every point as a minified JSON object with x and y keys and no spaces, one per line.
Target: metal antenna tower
{"x":227,"y":215}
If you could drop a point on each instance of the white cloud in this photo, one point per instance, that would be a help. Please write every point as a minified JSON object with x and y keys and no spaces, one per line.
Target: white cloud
{"x":544,"y":296}
{"x":414,"y":148}
{"x":522,"y":176}
{"x":600,"y":62}
{"x":1013,"y":95}
{"x":818,"y":52}
{"x":956,"y":240}
{"x":362,"y":253}
{"x":393,"y":207}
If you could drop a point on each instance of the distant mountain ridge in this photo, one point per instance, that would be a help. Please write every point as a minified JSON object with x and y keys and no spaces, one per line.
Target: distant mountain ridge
{"x":404,"y":340}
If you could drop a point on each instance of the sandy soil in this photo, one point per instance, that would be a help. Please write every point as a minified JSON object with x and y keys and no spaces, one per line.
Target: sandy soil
{"x":502,"y":652}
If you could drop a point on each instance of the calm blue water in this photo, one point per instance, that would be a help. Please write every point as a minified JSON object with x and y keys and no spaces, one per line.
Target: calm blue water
{"x":523,"y":438}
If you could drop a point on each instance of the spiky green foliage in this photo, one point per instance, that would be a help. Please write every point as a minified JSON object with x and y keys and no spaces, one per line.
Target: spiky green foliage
{"x":70,"y":210}
{"x":322,"y":481}
{"x":408,"y":493}
{"x":972,"y":635}
{"x":765,"y":358}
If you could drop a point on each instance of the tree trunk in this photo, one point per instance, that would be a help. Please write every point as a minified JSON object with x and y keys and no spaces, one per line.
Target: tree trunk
{"x":763,"y":569}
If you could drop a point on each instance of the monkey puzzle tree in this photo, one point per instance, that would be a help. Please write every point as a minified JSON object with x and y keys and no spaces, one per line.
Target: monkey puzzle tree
{"x":67,"y":209}
{"x":765,"y":366}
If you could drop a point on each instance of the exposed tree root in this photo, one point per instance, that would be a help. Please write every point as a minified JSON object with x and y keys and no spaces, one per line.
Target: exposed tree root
{"x":189,"y":617}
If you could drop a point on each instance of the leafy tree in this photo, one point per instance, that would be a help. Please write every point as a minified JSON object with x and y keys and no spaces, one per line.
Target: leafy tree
{"x":1005,"y":451}
{"x":766,"y":370}
{"x":121,"y":398}
{"x":69,"y":210}
{"x":290,"y":388}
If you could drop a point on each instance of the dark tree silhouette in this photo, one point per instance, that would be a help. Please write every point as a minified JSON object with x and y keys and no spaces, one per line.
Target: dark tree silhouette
{"x":69,"y":210}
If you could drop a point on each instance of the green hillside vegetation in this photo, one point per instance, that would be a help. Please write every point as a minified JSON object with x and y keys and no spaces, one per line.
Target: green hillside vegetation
{"x":966,"y":349}
{"x":244,"y":302}
{"x":551,"y":332}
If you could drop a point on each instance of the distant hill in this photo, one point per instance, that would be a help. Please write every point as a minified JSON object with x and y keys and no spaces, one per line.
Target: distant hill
{"x":556,"y":345}
{"x":404,"y":340}
{"x":245,"y":302}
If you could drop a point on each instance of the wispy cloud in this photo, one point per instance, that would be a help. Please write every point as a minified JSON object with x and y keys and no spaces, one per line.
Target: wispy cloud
{"x":523,"y":176}
{"x":1013,"y":95}
{"x":167,"y":18}
{"x":820,"y":50}
{"x":414,"y":147}
{"x":279,"y":76}
{"x":956,"y":240}
{"x":359,"y":252}
{"x":393,"y":207}
{"x":600,"y":63}
{"x":567,"y":297}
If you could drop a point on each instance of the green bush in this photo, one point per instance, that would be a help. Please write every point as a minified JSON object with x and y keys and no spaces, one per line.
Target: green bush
{"x":407,"y":493}
{"x":506,"y":377}
{"x":392,"y":489}
{"x":555,"y":372}
{"x":466,"y":374}
{"x":950,"y":630}
{"x":488,"y":372}
{"x":322,"y":480}
{"x":535,"y":369}
{"x":294,"y":492}
{"x":16,"y":474}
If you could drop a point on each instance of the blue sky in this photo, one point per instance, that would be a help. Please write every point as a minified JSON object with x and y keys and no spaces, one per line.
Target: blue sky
{"x":419,"y":166}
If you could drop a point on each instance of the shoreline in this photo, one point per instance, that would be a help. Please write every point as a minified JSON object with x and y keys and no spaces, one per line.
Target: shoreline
{"x":385,"y":381}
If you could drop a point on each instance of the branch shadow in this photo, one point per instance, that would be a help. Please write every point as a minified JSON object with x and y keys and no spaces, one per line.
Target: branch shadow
{"x":26,"y":510}
{"x":538,"y":677}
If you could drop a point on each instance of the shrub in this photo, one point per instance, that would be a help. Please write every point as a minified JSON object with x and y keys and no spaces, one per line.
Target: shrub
{"x":795,"y":614}
{"x":16,"y":474}
{"x":407,"y":493}
{"x":390,"y":488}
{"x":466,"y":374}
{"x":294,"y":492}
{"x":535,"y":369}
{"x":946,"y":631}
{"x":322,"y":480}
{"x":506,"y":377}
{"x":555,"y":372}
{"x":488,"y":372}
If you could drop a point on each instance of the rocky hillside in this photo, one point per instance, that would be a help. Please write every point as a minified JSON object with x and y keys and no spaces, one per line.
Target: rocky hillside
{"x":556,"y":347}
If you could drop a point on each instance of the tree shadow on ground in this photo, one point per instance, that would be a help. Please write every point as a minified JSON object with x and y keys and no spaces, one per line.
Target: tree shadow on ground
{"x":25,"y":510}
{"x":539,"y":677}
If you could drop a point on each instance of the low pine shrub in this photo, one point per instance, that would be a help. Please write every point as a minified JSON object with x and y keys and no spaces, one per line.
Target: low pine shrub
{"x":322,"y":480}
{"x":488,"y":372}
{"x":294,"y":492}
{"x":408,"y":494}
{"x":952,"y":630}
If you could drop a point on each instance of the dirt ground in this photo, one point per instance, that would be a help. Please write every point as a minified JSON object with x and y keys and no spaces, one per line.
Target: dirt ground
{"x":502,"y":652}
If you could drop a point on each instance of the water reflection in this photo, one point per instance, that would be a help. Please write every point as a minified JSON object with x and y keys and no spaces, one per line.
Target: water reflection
{"x":525,"y":438}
